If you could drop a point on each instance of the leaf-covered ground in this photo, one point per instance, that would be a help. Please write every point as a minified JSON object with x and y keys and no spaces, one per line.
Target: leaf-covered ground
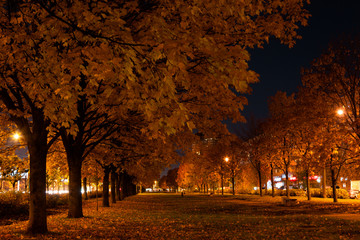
{"x":170,"y":216}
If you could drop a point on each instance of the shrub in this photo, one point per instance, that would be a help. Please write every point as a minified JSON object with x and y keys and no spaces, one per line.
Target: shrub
{"x":293,"y":192}
{"x":316,"y":192}
{"x":56,"y":200}
{"x":341,"y":193}
{"x":93,"y":194}
{"x":14,"y":203}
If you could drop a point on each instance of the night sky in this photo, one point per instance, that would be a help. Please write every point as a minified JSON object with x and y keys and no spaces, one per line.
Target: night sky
{"x":279,"y":67}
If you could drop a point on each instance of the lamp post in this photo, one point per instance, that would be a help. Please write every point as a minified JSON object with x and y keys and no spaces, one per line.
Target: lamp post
{"x":340,"y":112}
{"x":16,"y":136}
{"x":226,"y":159}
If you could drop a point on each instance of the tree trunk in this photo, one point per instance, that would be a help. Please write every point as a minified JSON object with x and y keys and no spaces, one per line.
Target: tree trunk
{"x":233,"y":184}
{"x":308,"y":185}
{"x":287,"y":181}
{"x":260,"y":184}
{"x":272,"y":181}
{"x":26,"y":185}
{"x":122,"y":196}
{"x":89,"y":185}
{"x":333,"y":181}
{"x":106,"y":187}
{"x":117,"y":186}
{"x":75,"y":198}
{"x":37,"y":210}
{"x":113,"y":188}
{"x":222,"y":184}
{"x":85,"y":188}
{"x":324,"y":183}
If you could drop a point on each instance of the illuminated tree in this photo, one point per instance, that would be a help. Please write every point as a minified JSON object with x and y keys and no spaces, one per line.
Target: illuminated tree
{"x":254,"y":144}
{"x":335,"y":76}
{"x":57,"y":171}
{"x":12,"y":168}
{"x":282,"y":132}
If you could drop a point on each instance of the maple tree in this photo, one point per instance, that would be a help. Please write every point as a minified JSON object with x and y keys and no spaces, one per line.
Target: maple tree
{"x":283,"y":128}
{"x":254,"y":144}
{"x":57,"y":171}
{"x":169,"y":180}
{"x":335,"y":76}
{"x":310,"y":114}
{"x":12,"y":168}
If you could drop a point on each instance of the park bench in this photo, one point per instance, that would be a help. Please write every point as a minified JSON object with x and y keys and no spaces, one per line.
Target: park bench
{"x":289,"y":201}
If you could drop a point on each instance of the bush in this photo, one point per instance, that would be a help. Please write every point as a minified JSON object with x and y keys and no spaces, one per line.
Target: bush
{"x":316,"y":192}
{"x":293,"y":192}
{"x":93,"y":194}
{"x":14,"y":203}
{"x":56,"y":200}
{"x":341,"y":193}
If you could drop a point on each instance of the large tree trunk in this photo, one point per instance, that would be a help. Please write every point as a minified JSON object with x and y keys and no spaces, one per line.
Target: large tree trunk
{"x":272,"y":180}
{"x":106,"y":202}
{"x":308,"y":185}
{"x":324,"y":183}
{"x":37,"y":210}
{"x":75,"y":198}
{"x":85,"y":188}
{"x":113,"y":188}
{"x":287,"y":181}
{"x":333,"y":181}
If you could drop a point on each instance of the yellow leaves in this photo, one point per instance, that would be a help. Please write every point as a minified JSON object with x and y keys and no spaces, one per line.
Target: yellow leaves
{"x":190,"y":125}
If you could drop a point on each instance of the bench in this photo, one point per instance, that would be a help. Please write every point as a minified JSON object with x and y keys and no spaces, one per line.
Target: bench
{"x":289,"y":201}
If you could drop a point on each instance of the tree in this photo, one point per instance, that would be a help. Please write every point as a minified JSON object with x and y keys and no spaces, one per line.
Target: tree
{"x":12,"y":168}
{"x":282,"y":118}
{"x":254,"y":139}
{"x":57,"y":171}
{"x":169,"y":180}
{"x":335,"y":76}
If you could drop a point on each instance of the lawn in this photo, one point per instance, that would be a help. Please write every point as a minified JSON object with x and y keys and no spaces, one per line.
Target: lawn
{"x":194,"y":216}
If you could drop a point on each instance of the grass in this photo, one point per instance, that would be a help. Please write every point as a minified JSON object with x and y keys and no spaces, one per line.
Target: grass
{"x":195,"y":216}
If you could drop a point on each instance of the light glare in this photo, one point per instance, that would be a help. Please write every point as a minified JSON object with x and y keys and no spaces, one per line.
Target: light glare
{"x":16,"y":136}
{"x":340,"y":112}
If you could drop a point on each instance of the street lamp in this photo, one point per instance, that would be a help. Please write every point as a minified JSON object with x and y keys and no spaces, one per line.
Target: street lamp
{"x":226,"y":159}
{"x":16,"y":136}
{"x":340,"y":112}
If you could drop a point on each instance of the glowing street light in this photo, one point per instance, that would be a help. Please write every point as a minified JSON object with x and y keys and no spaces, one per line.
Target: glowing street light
{"x":16,"y":136}
{"x":340,"y":112}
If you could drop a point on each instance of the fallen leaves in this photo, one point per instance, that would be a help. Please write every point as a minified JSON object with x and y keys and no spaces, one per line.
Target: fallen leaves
{"x":168,"y":216}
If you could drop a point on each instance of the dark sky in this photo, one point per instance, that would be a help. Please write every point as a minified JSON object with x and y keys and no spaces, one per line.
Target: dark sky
{"x":279,"y":67}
